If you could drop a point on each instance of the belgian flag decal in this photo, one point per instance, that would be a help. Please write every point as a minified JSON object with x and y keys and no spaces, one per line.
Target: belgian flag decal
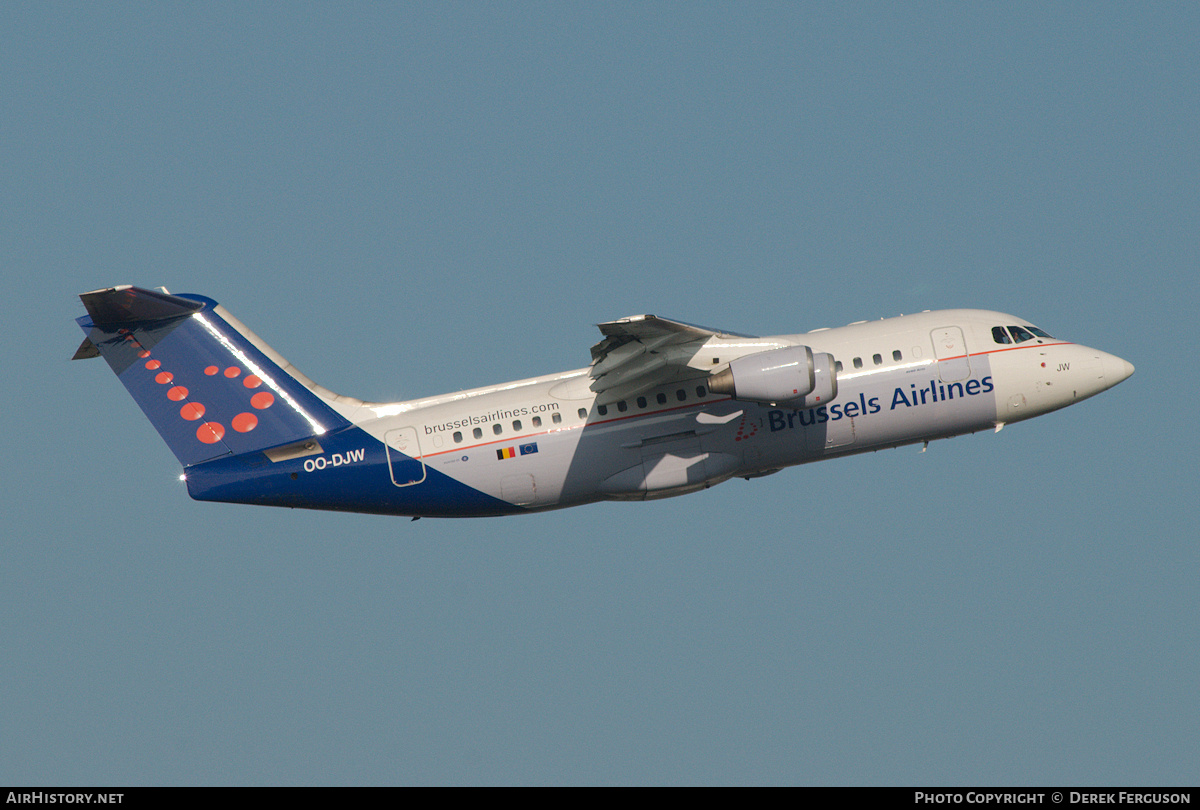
{"x":513,"y":452}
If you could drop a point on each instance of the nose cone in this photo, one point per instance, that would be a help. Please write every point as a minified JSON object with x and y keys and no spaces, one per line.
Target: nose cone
{"x":1115,"y":369}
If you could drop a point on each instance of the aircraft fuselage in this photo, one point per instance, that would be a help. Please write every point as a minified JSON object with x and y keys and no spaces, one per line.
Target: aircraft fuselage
{"x":551,"y":442}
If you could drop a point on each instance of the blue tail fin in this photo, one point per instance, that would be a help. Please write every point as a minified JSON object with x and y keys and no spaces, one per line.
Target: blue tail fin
{"x":209,"y":386}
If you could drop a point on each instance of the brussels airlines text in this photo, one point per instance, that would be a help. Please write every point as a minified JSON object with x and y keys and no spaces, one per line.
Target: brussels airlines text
{"x":913,"y":397}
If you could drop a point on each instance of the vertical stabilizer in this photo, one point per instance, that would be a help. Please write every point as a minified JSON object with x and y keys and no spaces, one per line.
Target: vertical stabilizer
{"x":208,"y":389}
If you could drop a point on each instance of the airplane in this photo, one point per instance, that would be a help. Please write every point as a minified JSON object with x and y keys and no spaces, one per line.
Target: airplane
{"x":665,"y":408}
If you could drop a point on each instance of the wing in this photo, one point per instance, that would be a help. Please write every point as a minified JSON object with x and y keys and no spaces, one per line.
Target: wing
{"x":642,"y":351}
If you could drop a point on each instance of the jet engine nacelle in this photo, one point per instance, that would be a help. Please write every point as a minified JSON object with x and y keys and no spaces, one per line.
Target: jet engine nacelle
{"x":793,"y":375}
{"x":824,"y":382}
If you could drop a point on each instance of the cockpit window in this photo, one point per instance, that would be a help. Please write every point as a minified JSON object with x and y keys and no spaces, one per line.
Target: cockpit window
{"x":1000,"y":335}
{"x":1020,"y":335}
{"x":1038,"y":332}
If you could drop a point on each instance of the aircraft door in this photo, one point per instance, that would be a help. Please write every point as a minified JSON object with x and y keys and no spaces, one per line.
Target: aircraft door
{"x":950,"y":348}
{"x":404,"y":456}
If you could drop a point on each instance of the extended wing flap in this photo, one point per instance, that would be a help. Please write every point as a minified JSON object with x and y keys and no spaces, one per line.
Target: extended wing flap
{"x":651,"y":328}
{"x":642,"y":351}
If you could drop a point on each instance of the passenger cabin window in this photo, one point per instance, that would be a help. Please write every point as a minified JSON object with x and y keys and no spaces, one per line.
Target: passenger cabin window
{"x":838,"y":365}
{"x":1019,"y":334}
{"x":621,"y":406}
{"x":681,"y":395}
{"x":497,"y":428}
{"x":1000,"y":335}
{"x":897,"y":356}
{"x":858,"y":362}
{"x":701,"y":390}
{"x":537,"y":421}
{"x":878,"y":359}
{"x":517,"y":425}
{"x":457,"y":436}
{"x":477,"y":433}
{"x":662,"y":399}
{"x":641,"y":401}
{"x":602,"y":410}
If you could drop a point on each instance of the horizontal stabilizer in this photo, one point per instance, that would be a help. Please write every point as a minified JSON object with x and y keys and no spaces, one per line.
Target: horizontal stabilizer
{"x":126,"y":304}
{"x":86,"y":351}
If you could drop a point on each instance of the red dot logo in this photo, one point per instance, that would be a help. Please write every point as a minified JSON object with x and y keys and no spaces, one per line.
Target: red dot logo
{"x":164,"y":377}
{"x":210,"y":432}
{"x":263,"y":399}
{"x":232,"y":372}
{"x":252,"y":382}
{"x":192,"y":411}
{"x":245,"y":422}
{"x":153,"y":364}
{"x":177,"y":393}
{"x":211,"y":370}
{"x":144,"y":353}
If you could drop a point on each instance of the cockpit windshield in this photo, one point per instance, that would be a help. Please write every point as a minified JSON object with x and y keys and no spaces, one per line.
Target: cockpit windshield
{"x":1017,"y":334}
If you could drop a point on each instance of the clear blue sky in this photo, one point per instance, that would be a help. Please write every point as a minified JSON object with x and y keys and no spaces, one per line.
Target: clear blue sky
{"x":406,"y":199}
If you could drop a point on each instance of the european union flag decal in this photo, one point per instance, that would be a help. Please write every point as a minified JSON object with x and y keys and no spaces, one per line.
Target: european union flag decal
{"x":526,"y":449}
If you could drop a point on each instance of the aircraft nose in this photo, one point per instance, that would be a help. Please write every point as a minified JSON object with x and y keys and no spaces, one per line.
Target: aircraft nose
{"x":1116,"y":370}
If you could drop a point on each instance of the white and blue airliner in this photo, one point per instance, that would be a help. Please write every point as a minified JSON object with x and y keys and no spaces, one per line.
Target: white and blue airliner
{"x":665,"y":407}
